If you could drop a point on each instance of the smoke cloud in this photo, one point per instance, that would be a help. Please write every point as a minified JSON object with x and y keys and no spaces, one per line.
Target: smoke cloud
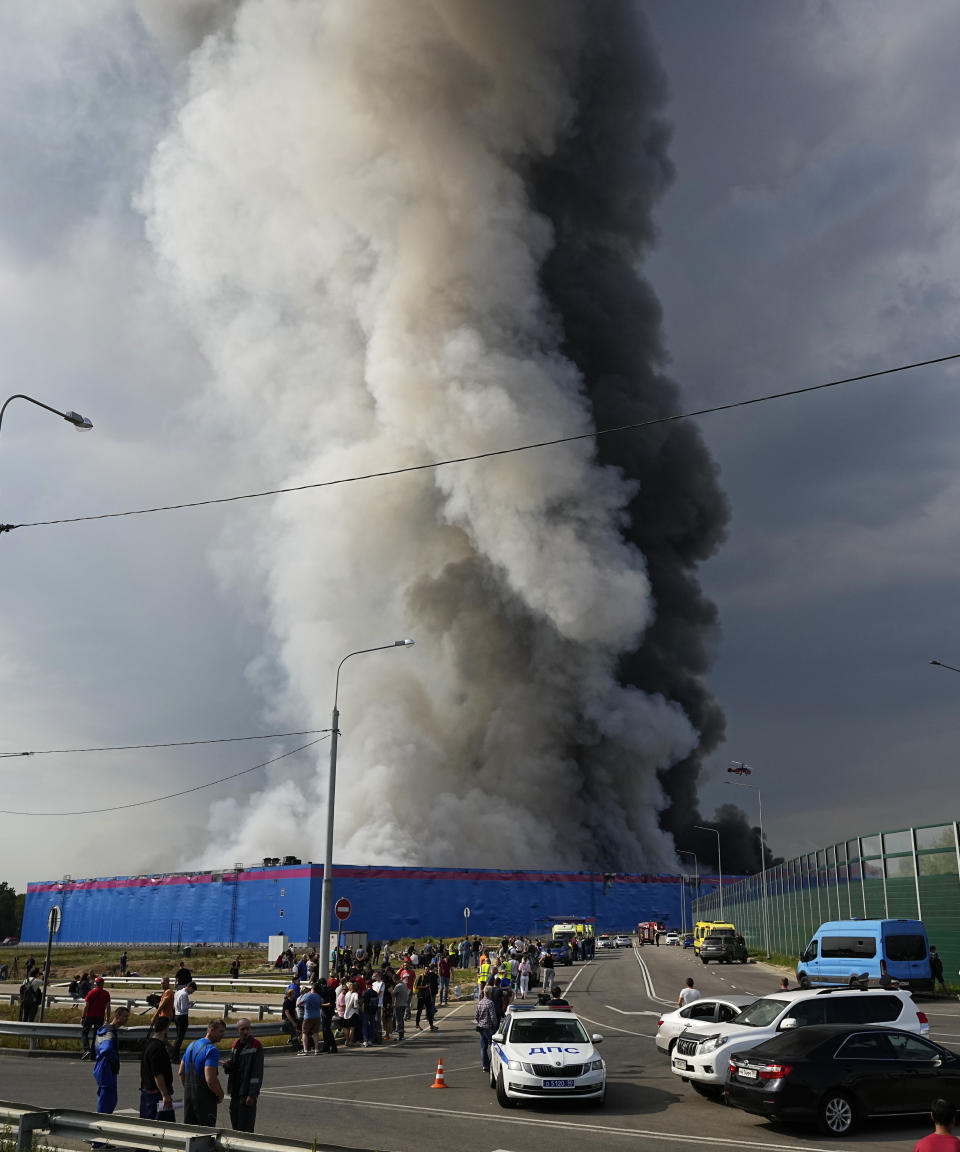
{"x":410,"y":232}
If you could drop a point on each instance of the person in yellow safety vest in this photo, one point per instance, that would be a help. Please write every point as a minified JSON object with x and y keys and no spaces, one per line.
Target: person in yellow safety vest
{"x":506,"y":968}
{"x":483,"y":971}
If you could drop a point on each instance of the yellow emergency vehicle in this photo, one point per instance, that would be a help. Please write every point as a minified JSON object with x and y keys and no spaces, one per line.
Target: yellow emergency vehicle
{"x":702,"y":927}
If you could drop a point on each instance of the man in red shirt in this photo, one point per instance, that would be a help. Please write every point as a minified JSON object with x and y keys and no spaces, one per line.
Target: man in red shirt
{"x":941,"y":1139}
{"x":96,"y":1007}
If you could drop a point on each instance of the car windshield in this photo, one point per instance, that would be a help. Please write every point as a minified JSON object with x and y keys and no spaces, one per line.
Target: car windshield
{"x":761,"y":1012}
{"x":561,"y":1030}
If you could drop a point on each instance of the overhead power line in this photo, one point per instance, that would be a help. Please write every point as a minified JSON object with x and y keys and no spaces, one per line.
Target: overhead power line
{"x":168,"y":795}
{"x":484,"y":455}
{"x":170,"y":744}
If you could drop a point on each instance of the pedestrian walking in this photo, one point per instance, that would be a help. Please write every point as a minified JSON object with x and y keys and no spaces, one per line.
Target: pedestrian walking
{"x":200,"y":1077}
{"x":936,"y":969}
{"x":244,"y":1069}
{"x":165,"y":1009}
{"x":156,"y":1073}
{"x":181,"y":1015}
{"x":96,"y":1005}
{"x":486,"y":1020}
{"x":688,"y":994}
{"x":401,"y":1006}
{"x":106,"y":1066}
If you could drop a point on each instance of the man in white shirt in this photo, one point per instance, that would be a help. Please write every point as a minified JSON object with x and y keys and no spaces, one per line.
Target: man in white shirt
{"x":688,"y":994}
{"x":181,"y":1015}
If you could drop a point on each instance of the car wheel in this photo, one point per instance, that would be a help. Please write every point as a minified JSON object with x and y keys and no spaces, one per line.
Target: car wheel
{"x":502,"y":1098}
{"x":709,"y":1091}
{"x":598,"y":1101}
{"x":493,"y":1076}
{"x":804,"y":981}
{"x":836,"y":1115}
{"x":670,"y":1048}
{"x":704,"y":961}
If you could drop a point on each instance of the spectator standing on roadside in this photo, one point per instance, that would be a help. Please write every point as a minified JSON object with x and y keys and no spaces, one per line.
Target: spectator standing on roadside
{"x":123,"y":963}
{"x":784,"y":984}
{"x":200,"y":1077}
{"x":181,"y":1015}
{"x":107,"y":1066}
{"x":182,"y":975}
{"x":288,"y":1014}
{"x":351,"y":1012}
{"x":156,"y":1073}
{"x":244,"y":1069}
{"x":328,"y":997}
{"x":688,"y":994}
{"x":401,"y":1005}
{"x":941,"y":1139}
{"x":525,"y":970}
{"x":407,"y":976}
{"x":96,"y":1005}
{"x":443,"y":974}
{"x":165,"y":1009}
{"x":310,"y":1003}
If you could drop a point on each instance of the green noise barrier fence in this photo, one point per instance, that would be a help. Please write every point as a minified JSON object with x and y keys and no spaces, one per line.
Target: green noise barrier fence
{"x":913,"y":873}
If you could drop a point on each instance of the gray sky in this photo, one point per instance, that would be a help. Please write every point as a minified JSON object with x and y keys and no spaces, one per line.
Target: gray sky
{"x":811,"y":232}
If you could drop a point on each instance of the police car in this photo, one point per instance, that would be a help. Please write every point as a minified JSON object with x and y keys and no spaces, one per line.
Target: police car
{"x":543,"y":1054}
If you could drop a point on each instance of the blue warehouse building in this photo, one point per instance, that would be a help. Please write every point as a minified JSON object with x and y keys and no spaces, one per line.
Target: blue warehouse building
{"x":247,"y":905}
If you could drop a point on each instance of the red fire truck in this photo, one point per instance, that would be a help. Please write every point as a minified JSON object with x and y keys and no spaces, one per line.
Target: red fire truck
{"x":646,"y":932}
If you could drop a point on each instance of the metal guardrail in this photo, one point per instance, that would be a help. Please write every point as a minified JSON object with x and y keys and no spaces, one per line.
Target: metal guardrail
{"x":36,"y":1031}
{"x":251,"y":983}
{"x":131,"y":1132}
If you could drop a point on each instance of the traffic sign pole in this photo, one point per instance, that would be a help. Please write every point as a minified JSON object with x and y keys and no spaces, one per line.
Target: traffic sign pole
{"x":54,"y":919}
{"x":341,"y":910}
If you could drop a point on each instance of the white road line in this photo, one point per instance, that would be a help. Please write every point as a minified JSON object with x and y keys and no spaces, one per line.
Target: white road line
{"x":540,"y":1122}
{"x":647,"y":981}
{"x":616,"y":1028}
{"x":622,"y":1012}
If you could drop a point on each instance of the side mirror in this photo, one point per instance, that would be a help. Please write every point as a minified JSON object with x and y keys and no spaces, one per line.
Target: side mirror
{"x":787,"y":1023}
{"x":498,"y":1036}
{"x":596,"y":1038}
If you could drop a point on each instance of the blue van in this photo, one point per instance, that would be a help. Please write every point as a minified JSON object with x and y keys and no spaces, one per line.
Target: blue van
{"x":868,"y":951}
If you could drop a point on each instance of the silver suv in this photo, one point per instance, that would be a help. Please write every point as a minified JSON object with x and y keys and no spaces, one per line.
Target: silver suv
{"x":701,"y":1054}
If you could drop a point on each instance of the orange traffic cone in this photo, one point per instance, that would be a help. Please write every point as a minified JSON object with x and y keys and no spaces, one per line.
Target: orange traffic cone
{"x":439,"y":1081}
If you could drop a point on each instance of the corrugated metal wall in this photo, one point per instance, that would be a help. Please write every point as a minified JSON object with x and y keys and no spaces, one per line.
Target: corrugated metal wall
{"x":388,"y":903}
{"x":912,"y":873}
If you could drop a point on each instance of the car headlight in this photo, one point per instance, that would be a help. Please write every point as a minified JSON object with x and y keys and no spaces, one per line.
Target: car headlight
{"x":712,"y":1044}
{"x":595,"y":1066}
{"x":514,"y":1065}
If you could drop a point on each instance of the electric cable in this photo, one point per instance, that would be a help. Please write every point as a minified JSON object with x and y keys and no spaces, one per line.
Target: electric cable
{"x":169,"y":795}
{"x":484,"y":455}
{"x":170,"y":744}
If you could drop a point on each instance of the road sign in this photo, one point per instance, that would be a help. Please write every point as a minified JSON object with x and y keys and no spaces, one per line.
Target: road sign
{"x":466,"y":913}
{"x":53,"y":919}
{"x":342,"y":909}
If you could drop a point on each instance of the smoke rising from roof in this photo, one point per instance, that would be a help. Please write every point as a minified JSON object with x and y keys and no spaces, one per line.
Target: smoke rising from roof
{"x":408,"y":232}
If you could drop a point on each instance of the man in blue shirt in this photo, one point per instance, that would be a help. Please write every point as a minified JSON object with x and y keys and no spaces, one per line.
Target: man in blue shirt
{"x":199,"y":1075}
{"x":107,"y":1062}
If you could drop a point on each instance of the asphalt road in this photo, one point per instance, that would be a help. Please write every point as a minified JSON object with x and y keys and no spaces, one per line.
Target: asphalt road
{"x":380,"y":1098}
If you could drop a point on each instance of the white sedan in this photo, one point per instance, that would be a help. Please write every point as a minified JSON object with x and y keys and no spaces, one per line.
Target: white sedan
{"x":672,"y":938}
{"x":706,"y":1010}
{"x":544,"y":1054}
{"x":623,"y":942}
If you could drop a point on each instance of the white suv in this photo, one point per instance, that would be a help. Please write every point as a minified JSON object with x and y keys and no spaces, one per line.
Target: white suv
{"x":701,"y":1054}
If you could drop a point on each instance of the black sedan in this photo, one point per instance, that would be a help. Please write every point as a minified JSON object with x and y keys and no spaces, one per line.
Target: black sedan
{"x":839,"y":1074}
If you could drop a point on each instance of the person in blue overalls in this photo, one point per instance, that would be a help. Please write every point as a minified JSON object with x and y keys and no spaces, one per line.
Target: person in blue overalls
{"x":106,"y":1066}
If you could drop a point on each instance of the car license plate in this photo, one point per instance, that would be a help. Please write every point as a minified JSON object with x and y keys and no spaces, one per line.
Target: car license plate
{"x":682,"y":1065}
{"x":558,"y":1083}
{"x":747,"y":1073}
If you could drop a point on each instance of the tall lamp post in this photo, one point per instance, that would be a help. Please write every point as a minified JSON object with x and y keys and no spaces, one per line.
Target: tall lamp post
{"x":73,"y":418}
{"x":716,"y":832}
{"x":696,"y":872}
{"x":763,"y":853}
{"x":326,"y":903}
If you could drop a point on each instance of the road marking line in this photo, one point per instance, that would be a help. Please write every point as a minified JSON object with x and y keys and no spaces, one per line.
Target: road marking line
{"x":615,"y":1028}
{"x":622,"y":1012}
{"x":540,"y":1122}
{"x":648,"y":982}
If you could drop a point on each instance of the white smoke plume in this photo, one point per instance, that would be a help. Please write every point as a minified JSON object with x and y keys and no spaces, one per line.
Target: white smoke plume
{"x":358,"y":210}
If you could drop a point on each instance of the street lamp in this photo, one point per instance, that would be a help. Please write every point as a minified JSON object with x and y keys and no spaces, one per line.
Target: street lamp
{"x":716,"y":832}
{"x":696,"y":869}
{"x":73,"y":418}
{"x":326,"y":903}
{"x":763,"y":854}
{"x":940,"y":664}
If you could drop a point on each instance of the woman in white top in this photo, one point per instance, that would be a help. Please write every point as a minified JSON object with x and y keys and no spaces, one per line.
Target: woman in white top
{"x":525,"y":969}
{"x":350,"y":1013}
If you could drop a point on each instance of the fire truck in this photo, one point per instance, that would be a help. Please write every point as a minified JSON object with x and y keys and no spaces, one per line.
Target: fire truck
{"x":647,"y":932}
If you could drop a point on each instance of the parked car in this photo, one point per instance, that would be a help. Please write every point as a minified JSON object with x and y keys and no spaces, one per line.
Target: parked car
{"x":687,"y":941}
{"x":10,"y":940}
{"x":672,"y":938}
{"x":702,"y":1052}
{"x":706,"y":1010}
{"x":839,"y":1074}
{"x":858,"y":951}
{"x":561,"y":953}
{"x":546,"y":1055}
{"x":623,"y":942}
{"x":605,"y":941}
{"x":724,"y":947}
